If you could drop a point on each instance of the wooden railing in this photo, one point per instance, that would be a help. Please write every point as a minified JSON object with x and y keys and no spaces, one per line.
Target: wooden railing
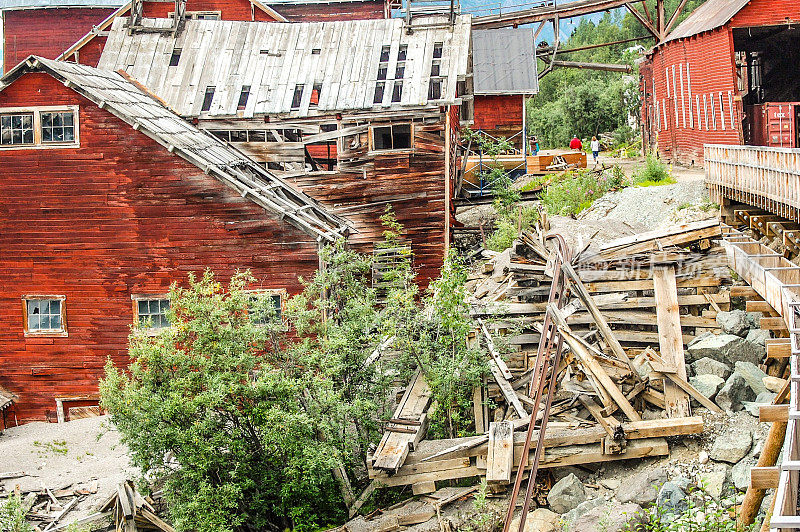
{"x":767,"y":178}
{"x":777,"y":281}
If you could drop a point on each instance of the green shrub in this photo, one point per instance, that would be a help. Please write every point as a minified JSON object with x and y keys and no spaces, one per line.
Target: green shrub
{"x":502,"y":237}
{"x":652,"y":172}
{"x":577,"y":191}
{"x":12,"y":516}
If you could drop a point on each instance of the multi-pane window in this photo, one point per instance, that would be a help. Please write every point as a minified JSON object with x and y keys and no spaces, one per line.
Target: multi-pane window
{"x":16,"y":129}
{"x":380,"y":87}
{"x":152,"y":313}
{"x":264,"y":307}
{"x":44,"y":315}
{"x":393,"y":137}
{"x":208,"y":98}
{"x":399,"y":73}
{"x":58,"y":126}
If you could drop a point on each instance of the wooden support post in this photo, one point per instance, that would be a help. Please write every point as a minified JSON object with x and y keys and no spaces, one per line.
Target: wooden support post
{"x":500,"y":456}
{"x":670,"y":338}
{"x":778,"y":348}
{"x":769,"y":457}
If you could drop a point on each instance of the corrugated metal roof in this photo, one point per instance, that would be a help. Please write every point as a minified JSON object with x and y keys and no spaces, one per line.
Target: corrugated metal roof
{"x":504,"y":61}
{"x":273,"y":59}
{"x":131,"y":103}
{"x":709,"y":16}
{"x":35,"y":4}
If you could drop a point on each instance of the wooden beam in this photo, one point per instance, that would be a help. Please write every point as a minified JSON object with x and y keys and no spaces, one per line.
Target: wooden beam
{"x":643,"y":21}
{"x":605,"y":67}
{"x":500,"y":458}
{"x":674,"y":17}
{"x":744,"y":291}
{"x":779,"y":347}
{"x":496,"y":366}
{"x":691,"y":390}
{"x":769,"y":457}
{"x":670,"y":338}
{"x":764,"y":478}
{"x":773,"y":324}
{"x":773,"y":413}
{"x":760,"y":306}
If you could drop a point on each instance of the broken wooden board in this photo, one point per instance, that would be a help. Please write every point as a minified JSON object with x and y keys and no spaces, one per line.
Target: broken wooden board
{"x":500,"y":457}
{"x":395,"y":444}
{"x":658,"y":239}
{"x":670,"y":338}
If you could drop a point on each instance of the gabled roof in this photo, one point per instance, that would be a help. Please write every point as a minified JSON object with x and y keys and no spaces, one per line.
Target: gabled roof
{"x":709,"y":16}
{"x":130,"y":102}
{"x":504,"y":61}
{"x":274,"y":59}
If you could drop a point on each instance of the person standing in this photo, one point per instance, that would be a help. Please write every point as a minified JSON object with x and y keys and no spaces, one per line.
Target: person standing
{"x":595,"y":145}
{"x":575,"y":143}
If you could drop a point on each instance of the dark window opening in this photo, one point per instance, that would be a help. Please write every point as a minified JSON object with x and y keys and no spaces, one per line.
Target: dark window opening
{"x":222,"y":135}
{"x":243,"y":97}
{"x":58,"y":127}
{"x":175,"y":57}
{"x":402,"y":52}
{"x":239,"y":136}
{"x":397,"y":91}
{"x":437,"y":50}
{"x":298,"y":96}
{"x":382,"y":69}
{"x":207,"y":99}
{"x":257,"y":136}
{"x":435,"y":89}
{"x":315,"y":51}
{"x":274,"y":166}
{"x":316,"y":90}
{"x":400,"y":71}
{"x":436,"y":68}
{"x":385,"y":54}
{"x":16,"y":129}
{"x":379,"y":88}
{"x":263,"y":51}
{"x":394,"y":137}
{"x":328,"y":127}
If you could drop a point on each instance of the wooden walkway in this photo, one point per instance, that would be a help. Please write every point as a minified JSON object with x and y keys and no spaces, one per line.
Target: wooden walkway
{"x":777,"y":281}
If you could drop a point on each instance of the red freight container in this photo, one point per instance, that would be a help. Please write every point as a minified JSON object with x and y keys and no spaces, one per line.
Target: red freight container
{"x":780,"y":124}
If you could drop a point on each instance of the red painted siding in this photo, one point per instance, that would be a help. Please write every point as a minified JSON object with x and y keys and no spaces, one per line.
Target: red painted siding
{"x":45,"y":32}
{"x":492,"y":112}
{"x":766,"y":12}
{"x":229,"y":9}
{"x":118,"y":216}
{"x":331,"y":11}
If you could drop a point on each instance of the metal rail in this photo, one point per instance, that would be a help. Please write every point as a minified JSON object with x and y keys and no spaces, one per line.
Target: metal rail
{"x":547,"y":12}
{"x":545,"y":363}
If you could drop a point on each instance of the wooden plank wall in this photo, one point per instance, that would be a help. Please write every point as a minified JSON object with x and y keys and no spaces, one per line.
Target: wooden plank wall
{"x":320,"y":12}
{"x":118,"y":216}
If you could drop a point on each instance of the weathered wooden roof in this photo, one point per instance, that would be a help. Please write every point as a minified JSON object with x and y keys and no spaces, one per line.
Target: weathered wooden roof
{"x":131,"y":103}
{"x":709,"y":16}
{"x":41,"y":4}
{"x":341,"y":57}
{"x":504,"y":61}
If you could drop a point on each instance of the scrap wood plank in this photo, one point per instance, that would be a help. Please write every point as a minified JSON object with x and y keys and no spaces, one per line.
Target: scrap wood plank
{"x":652,"y":240}
{"x":670,"y":338}
{"x":500,"y":456}
{"x":502,"y":374}
{"x":691,"y":390}
{"x":602,"y":324}
{"x":394,"y":446}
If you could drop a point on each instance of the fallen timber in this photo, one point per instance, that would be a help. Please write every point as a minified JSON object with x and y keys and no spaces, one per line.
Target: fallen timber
{"x":598,"y":365}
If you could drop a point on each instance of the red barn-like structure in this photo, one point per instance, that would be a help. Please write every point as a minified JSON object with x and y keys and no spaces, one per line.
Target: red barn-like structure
{"x":115,"y":211}
{"x":725,"y":75}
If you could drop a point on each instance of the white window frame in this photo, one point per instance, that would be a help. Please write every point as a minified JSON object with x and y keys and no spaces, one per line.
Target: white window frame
{"x":135,"y":298}
{"x":62,"y":332}
{"x":37,"y":127}
{"x":280,"y":292}
{"x":392,"y":150}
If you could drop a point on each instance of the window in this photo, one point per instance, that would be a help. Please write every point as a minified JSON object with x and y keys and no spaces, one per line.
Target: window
{"x":58,"y":126}
{"x":315,"y":51}
{"x":397,"y":91}
{"x":265,"y":307}
{"x":394,"y":137}
{"x":298,"y":96}
{"x":243,"y":97}
{"x":385,"y":54}
{"x":44,"y":315}
{"x":239,"y":135}
{"x":316,"y":90}
{"x":257,"y":136}
{"x":437,"y":50}
{"x":382,"y":70}
{"x":207,"y":99}
{"x":435,"y":89}
{"x":206,"y":16}
{"x":152,"y":313}
{"x":379,"y":89}
{"x":400,"y":70}
{"x":16,"y":129}
{"x":39,"y":127}
{"x":402,"y":52}
{"x":175,"y":57}
{"x":221,"y":135}
{"x":436,"y":68}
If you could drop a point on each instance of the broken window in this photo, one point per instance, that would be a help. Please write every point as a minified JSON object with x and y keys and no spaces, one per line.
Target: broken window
{"x":221,"y":135}
{"x":316,"y":90}
{"x":437,"y":50}
{"x":44,"y":315}
{"x":16,"y":129}
{"x":379,"y":89}
{"x":243,"y":97}
{"x":385,"y":54}
{"x":298,"y":96}
{"x":152,"y":313}
{"x":402,"y":52}
{"x":393,"y":137}
{"x":239,"y":135}
{"x":175,"y":57}
{"x":58,"y":126}
{"x":397,"y":91}
{"x":257,"y":136}
{"x":435,"y":89}
{"x":208,"y":98}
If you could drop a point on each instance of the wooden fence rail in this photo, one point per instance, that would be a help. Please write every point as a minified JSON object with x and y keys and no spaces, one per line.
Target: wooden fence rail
{"x":767,"y":178}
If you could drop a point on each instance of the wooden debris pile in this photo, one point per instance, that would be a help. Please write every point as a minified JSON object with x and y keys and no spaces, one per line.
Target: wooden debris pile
{"x":130,"y":511}
{"x":46,"y":508}
{"x":651,"y":293}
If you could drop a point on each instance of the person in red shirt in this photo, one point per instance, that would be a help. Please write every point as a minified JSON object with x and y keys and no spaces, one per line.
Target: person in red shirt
{"x":575,"y":143}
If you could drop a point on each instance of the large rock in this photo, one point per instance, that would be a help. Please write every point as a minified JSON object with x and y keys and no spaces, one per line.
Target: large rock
{"x":566,"y":494}
{"x":713,"y":481}
{"x":726,"y":348}
{"x":539,"y":520}
{"x":672,"y":499}
{"x":708,"y":385}
{"x":773,"y":384}
{"x":734,"y":322}
{"x":740,"y":473}
{"x":734,"y":393}
{"x":759,"y":337}
{"x":753,"y":375}
{"x":733,"y":445}
{"x":764,"y":398}
{"x":582,"y":509}
{"x":642,"y":488}
{"x":610,"y":518}
{"x":754,"y":319}
{"x":709,"y":366}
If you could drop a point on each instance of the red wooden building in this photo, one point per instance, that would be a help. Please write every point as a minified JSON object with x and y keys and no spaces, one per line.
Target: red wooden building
{"x":47,"y":28}
{"x":725,"y":75}
{"x":108,"y":198}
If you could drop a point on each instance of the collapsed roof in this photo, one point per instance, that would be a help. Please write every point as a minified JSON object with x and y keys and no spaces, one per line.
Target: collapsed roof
{"x":130,"y":102}
{"x":333,"y":66}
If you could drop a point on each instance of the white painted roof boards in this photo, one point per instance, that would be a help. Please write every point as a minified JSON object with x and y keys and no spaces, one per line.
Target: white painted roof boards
{"x":132,"y":104}
{"x":340,"y":59}
{"x":504,"y":61}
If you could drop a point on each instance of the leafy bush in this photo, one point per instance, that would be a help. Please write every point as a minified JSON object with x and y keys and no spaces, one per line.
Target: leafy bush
{"x":576,"y":191}
{"x":654,"y":171}
{"x":502,"y":237}
{"x":12,"y":516}
{"x":706,"y":517}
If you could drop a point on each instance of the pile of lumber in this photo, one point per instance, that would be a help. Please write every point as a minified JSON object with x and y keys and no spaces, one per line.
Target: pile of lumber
{"x":130,"y":511}
{"x":652,"y":293}
{"x":45,"y":508}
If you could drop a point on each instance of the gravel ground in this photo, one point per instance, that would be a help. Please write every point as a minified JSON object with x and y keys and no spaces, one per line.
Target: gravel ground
{"x":66,"y":455}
